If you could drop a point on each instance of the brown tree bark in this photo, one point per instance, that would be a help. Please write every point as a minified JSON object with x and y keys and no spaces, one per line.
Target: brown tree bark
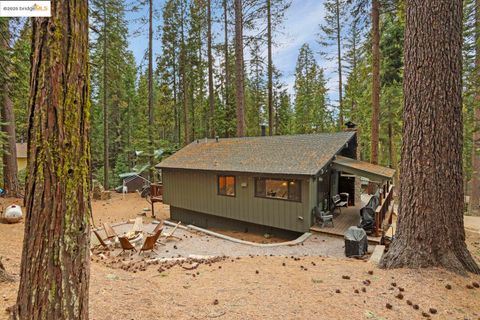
{"x":150,"y":90}
{"x":240,"y":69}
{"x":211,"y":97}
{"x":339,"y":63}
{"x":183,"y":76}
{"x":270,"y":68}
{"x":10,"y":179}
{"x":475,"y":195}
{"x":375,"y":80}
{"x":54,"y":278}
{"x":106,"y":155}
{"x":430,"y":230}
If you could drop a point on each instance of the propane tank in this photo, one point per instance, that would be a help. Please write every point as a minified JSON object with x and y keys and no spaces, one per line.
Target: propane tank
{"x":12,"y":214}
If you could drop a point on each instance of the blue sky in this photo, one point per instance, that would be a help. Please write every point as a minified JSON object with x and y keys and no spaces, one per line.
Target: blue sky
{"x":300,"y":26}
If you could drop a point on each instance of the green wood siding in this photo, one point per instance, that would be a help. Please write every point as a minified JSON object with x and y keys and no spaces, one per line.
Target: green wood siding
{"x":197,"y":191}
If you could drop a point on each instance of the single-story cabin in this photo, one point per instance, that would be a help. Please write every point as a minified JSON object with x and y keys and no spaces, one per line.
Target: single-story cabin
{"x":267,"y":181}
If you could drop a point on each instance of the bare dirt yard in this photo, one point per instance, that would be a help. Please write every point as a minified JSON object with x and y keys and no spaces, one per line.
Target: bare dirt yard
{"x":256,"y":287}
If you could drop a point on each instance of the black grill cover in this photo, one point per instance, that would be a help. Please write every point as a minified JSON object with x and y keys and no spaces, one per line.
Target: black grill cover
{"x":356,"y":242}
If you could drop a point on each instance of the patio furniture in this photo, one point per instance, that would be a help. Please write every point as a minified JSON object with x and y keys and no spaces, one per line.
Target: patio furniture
{"x":111,"y":234}
{"x":322,"y":217}
{"x":169,"y":235}
{"x":150,"y":242}
{"x":339,"y":201}
{"x":156,"y":195}
{"x":105,"y":244}
{"x":159,"y":227}
{"x":126,"y":245}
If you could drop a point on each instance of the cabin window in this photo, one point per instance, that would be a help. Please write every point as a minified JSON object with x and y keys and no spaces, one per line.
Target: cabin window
{"x":226,"y":186}
{"x":278,"y":189}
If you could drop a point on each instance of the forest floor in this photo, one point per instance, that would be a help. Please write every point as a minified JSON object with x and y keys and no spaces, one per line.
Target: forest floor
{"x":256,"y":287}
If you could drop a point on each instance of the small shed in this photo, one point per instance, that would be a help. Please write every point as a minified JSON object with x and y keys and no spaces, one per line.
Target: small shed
{"x":135,"y":180}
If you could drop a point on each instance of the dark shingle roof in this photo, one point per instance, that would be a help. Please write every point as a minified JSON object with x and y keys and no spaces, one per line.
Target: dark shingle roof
{"x":296,"y":154}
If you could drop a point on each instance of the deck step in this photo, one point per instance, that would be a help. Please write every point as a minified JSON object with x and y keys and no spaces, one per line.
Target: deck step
{"x":377,"y":254}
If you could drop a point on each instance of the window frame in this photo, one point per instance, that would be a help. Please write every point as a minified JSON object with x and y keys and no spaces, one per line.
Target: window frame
{"x":288,"y":189}
{"x":234,"y":185}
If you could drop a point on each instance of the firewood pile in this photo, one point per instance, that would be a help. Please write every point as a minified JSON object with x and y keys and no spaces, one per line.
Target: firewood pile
{"x":99,"y":193}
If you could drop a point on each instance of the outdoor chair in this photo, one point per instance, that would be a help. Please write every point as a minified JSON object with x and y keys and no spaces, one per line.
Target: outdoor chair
{"x":126,"y":245}
{"x":338,"y":202}
{"x":322,"y":217}
{"x":169,"y":235}
{"x":159,"y":227}
{"x":150,"y":242}
{"x":111,"y":234}
{"x":105,"y":244}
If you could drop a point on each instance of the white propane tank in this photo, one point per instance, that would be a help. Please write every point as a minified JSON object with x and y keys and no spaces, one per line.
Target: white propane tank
{"x":13,"y":214}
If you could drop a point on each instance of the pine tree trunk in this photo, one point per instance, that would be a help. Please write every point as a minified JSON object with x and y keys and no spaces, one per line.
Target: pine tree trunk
{"x":227,"y":58}
{"x":211,"y":97}
{"x":430,"y":229}
{"x":106,"y":155}
{"x":475,"y":195}
{"x":376,"y":79}
{"x":239,"y":68}
{"x":270,"y":68}
{"x":150,"y":90}
{"x":183,"y":75}
{"x":10,"y":180}
{"x":55,"y":259}
{"x":339,"y":61}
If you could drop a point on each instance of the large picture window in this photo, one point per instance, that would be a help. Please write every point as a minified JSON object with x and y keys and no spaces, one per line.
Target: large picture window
{"x":278,"y":189}
{"x":226,"y":186}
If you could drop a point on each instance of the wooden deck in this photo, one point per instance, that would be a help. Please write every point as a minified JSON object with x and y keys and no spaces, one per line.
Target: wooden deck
{"x":342,"y":221}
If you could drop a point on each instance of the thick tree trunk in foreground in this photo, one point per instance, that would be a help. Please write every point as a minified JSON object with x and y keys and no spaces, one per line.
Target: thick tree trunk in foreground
{"x":475,"y":196}
{"x":55,"y":258}
{"x":430,"y":231}
{"x":10,"y":179}
{"x":376,"y":79}
{"x":239,"y":68}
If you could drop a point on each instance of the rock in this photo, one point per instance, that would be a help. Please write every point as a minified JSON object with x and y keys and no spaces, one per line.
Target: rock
{"x":433,"y":310}
{"x":388,"y":306}
{"x":370,"y":272}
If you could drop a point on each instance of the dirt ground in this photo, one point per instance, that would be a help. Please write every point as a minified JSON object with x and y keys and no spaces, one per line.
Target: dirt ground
{"x":258,"y":287}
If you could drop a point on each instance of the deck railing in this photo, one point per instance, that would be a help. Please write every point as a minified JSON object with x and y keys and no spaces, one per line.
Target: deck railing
{"x":383,"y":214}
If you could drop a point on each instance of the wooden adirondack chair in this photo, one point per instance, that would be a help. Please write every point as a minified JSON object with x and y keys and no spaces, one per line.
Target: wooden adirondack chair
{"x":126,"y":245}
{"x":105,"y":244}
{"x":150,"y":242}
{"x":159,"y":227}
{"x":169,"y":235}
{"x":111,"y":234}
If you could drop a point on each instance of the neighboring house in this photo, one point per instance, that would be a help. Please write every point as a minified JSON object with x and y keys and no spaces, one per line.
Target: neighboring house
{"x":272,"y":181}
{"x":21,"y":156}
